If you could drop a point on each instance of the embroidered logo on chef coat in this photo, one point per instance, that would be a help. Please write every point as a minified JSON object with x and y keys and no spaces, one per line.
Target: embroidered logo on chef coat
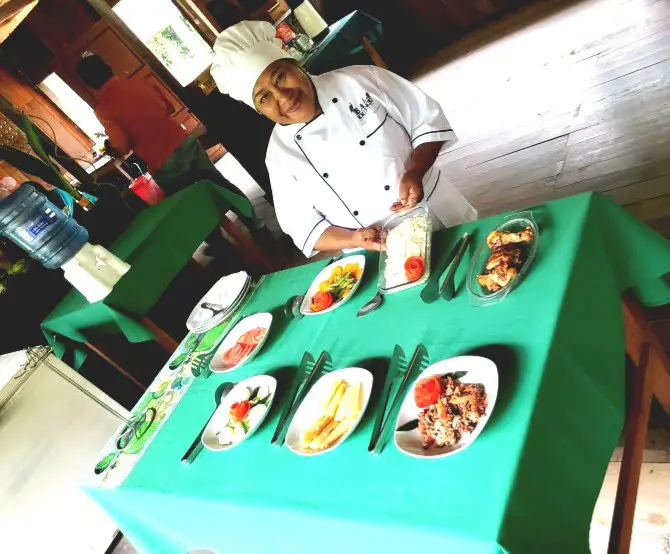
{"x":363,"y":106}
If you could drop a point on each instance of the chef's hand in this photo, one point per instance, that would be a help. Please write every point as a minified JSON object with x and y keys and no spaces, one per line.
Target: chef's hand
{"x":411,"y":191}
{"x":368,"y":238}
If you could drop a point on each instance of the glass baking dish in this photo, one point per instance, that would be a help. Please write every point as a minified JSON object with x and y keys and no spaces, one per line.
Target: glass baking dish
{"x":404,"y":234}
{"x":480,"y":295}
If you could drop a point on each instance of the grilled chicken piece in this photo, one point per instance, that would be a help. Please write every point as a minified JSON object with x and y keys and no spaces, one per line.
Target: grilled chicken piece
{"x":496,"y":239}
{"x":498,"y":278}
{"x":506,"y":255}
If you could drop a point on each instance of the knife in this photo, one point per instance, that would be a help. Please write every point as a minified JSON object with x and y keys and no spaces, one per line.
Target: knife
{"x":419,"y":357}
{"x":430,"y":292}
{"x":447,"y":290}
{"x":394,"y":368}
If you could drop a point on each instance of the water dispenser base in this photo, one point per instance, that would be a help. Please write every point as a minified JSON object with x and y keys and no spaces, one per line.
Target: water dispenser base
{"x":94,"y":271}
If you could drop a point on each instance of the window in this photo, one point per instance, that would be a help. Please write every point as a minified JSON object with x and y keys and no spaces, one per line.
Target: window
{"x":169,"y":36}
{"x":73,"y":106}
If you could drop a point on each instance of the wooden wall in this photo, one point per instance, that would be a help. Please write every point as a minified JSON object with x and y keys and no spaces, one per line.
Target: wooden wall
{"x":59,"y":31}
{"x":44,"y":114}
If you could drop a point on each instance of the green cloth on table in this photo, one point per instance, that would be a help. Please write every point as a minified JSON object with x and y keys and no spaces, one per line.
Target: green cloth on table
{"x":529,"y":482}
{"x":157,"y":245}
{"x":186,"y":164}
{"x":343,"y":45}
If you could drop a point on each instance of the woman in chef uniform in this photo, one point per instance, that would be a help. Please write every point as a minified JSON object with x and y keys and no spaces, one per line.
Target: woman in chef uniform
{"x":349,"y":146}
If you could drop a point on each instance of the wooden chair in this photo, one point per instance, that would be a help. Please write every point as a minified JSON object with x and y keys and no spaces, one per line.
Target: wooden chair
{"x":651,"y":378}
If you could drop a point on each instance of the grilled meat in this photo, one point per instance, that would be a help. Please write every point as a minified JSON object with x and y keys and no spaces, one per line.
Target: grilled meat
{"x":496,"y":239}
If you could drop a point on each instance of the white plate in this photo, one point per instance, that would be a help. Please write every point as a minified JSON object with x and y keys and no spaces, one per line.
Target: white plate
{"x":226,"y":292}
{"x":240,"y":392}
{"x":479,"y":370}
{"x":263,"y":319}
{"x":325,"y":274}
{"x":310,"y":409}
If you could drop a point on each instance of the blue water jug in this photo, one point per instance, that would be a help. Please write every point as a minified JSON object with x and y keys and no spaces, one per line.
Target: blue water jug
{"x":28,"y":219}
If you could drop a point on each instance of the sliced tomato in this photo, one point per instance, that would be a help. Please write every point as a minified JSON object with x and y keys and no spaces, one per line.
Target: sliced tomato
{"x":233,"y":355}
{"x":239,"y":410}
{"x":427,"y":391}
{"x":321,"y":301}
{"x":414,"y":267}
{"x":254,"y":336}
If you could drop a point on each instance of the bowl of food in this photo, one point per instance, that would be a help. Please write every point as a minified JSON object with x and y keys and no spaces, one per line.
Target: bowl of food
{"x":500,"y":264}
{"x":330,"y":412}
{"x":242,"y":343}
{"x":241,"y":412}
{"x":447,"y":407}
{"x":404,"y":261}
{"x":334,"y":285}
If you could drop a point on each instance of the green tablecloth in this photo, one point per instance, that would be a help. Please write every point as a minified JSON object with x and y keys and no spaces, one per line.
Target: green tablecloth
{"x":157,"y":245}
{"x":343,"y":45}
{"x":527,"y":485}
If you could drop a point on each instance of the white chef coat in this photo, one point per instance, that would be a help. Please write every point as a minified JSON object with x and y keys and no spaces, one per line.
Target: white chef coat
{"x":344,"y":167}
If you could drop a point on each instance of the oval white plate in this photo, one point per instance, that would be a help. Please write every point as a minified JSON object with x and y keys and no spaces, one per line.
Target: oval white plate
{"x":263,"y":319}
{"x":310,"y":409}
{"x":325,"y":274}
{"x":221,"y":416}
{"x":479,"y":370}
{"x":225,"y":292}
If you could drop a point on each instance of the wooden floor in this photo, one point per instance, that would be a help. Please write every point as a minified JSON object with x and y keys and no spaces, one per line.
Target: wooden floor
{"x":561,"y":98}
{"x":557,"y":99}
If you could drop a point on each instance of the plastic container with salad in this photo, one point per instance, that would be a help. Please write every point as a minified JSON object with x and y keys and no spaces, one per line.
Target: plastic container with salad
{"x":405,"y":258}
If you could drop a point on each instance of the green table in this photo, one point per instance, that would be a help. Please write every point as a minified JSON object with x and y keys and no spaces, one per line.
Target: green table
{"x":349,"y":43}
{"x":529,"y":482}
{"x":157,"y":245}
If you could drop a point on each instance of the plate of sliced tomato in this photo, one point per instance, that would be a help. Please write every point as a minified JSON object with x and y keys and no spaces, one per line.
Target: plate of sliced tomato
{"x":242,"y":343}
{"x":334,"y":285}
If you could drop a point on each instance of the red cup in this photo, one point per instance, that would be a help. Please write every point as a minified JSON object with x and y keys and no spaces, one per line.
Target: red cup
{"x":147,"y":189}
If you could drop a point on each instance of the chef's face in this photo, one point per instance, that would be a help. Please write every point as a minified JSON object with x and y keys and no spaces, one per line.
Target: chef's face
{"x":285,"y":94}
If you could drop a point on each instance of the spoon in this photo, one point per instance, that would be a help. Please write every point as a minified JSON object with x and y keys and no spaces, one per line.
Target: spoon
{"x":371,"y":305}
{"x":292,"y":307}
{"x":196,"y":446}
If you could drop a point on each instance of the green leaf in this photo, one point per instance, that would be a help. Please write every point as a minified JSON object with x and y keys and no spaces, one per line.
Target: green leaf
{"x":29,"y":164}
{"x":211,"y":338}
{"x":455,"y":375}
{"x":409,"y":426}
{"x":254,"y":394}
{"x":103,"y":464}
{"x":176,"y":362}
{"x":265,"y":400}
{"x":33,"y":139}
{"x":244,"y":426}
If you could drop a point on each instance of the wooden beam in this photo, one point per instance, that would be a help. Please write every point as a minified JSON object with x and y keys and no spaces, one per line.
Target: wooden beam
{"x":13,"y":12}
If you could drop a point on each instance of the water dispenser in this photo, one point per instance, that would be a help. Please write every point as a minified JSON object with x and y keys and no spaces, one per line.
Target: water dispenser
{"x":31,"y":221}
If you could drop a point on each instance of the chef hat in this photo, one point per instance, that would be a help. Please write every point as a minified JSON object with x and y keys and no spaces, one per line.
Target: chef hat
{"x":241,"y":54}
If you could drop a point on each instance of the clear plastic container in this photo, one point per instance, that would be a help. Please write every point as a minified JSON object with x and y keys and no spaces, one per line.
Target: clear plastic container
{"x":481,"y":296}
{"x":405,"y":234}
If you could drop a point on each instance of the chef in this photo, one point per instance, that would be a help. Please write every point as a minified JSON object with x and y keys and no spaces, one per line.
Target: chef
{"x":349,"y":146}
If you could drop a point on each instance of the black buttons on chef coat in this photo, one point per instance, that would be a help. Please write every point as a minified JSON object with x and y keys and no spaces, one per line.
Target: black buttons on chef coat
{"x":355,"y":212}
{"x":299,"y":137}
{"x":362,"y":143}
{"x":325,"y":175}
{"x":334,"y":100}
{"x":387,"y":187}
